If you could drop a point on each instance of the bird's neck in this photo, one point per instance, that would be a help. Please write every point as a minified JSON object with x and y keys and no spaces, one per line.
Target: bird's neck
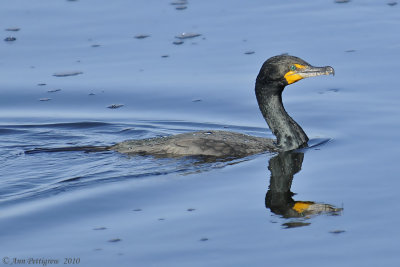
{"x":288,"y":133}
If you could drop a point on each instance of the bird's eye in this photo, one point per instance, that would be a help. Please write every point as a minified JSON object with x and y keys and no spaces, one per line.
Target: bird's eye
{"x":293,"y":67}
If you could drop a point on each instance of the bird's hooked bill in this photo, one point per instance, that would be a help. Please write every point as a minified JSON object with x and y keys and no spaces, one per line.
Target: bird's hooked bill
{"x":300,"y":72}
{"x":311,"y":71}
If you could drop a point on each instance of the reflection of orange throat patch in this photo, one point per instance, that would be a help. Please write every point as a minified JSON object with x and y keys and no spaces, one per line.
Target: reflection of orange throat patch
{"x":302,"y":206}
{"x":292,"y":76}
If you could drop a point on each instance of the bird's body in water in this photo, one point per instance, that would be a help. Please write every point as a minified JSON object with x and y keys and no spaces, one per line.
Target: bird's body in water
{"x":275,"y":74}
{"x":220,"y":144}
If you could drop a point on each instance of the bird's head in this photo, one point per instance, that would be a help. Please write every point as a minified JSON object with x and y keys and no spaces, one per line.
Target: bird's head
{"x":285,"y":70}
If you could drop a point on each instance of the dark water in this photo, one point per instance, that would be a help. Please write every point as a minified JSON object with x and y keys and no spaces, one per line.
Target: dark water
{"x":330,"y":205}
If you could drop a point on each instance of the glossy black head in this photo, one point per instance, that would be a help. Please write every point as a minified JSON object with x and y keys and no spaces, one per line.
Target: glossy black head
{"x":276,"y":73}
{"x":283,"y":70}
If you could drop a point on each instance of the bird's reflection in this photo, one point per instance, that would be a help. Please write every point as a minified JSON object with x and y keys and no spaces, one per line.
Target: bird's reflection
{"x":279,"y":197}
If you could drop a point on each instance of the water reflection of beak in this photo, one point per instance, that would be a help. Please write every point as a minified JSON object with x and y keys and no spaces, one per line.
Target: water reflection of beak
{"x":305,"y":208}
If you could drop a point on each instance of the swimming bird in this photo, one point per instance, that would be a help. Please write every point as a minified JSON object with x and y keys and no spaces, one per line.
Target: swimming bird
{"x":275,"y":74}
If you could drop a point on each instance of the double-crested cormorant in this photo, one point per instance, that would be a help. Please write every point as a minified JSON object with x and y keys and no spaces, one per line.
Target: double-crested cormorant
{"x":275,"y":74}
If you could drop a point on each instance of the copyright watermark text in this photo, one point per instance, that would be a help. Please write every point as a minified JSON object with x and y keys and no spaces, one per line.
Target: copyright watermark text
{"x":39,"y":261}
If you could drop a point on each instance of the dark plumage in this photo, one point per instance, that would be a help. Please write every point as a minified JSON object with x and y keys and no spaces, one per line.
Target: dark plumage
{"x":276,"y":73}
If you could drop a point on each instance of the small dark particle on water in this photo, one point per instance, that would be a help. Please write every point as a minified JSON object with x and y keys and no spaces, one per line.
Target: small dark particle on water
{"x":12,"y":29}
{"x":203,"y":239}
{"x":41,"y":84}
{"x":137,"y":210}
{"x":10,"y":39}
{"x":187,"y":35}
{"x":100,"y":228}
{"x":179,"y":2}
{"x":114,"y":240}
{"x":54,"y":90}
{"x":177,"y":42}
{"x":165,"y":56}
{"x":98,"y":249}
{"x":335,"y":90}
{"x":350,"y":51}
{"x":294,"y":224}
{"x":191,"y":209}
{"x":392,"y":3}
{"x":115,"y":106}
{"x":91,"y":94}
{"x":196,"y":100}
{"x":180,"y":7}
{"x":44,"y":99}
{"x":67,"y":73}
{"x":249,"y":52}
{"x":141,"y":36}
{"x":161,"y":219}
{"x":341,"y":1}
{"x":95,"y":45}
{"x":337,"y":232}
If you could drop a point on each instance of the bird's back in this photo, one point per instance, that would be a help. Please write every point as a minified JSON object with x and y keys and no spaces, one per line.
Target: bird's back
{"x":203,"y":143}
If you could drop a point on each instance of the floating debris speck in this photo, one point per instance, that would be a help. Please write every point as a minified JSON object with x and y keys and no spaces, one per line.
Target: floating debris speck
{"x":92,"y":94}
{"x":114,"y":240}
{"x":67,"y":73}
{"x":335,"y":90}
{"x":95,"y":45}
{"x":187,"y":35}
{"x":204,"y":239}
{"x":337,"y":232}
{"x":180,"y":7}
{"x":41,"y":84}
{"x":54,"y":90}
{"x":99,"y":228}
{"x":44,"y":99}
{"x":179,"y":2}
{"x":249,"y":52}
{"x":341,"y":1}
{"x":141,"y":36}
{"x":115,"y":106}
{"x":289,"y":225}
{"x":196,"y":100}
{"x":12,"y":29}
{"x":10,"y":39}
{"x":392,"y":3}
{"x":165,"y":56}
{"x":178,"y":42}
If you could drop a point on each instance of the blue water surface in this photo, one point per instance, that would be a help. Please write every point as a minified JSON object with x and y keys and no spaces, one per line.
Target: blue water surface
{"x":109,"y":209}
